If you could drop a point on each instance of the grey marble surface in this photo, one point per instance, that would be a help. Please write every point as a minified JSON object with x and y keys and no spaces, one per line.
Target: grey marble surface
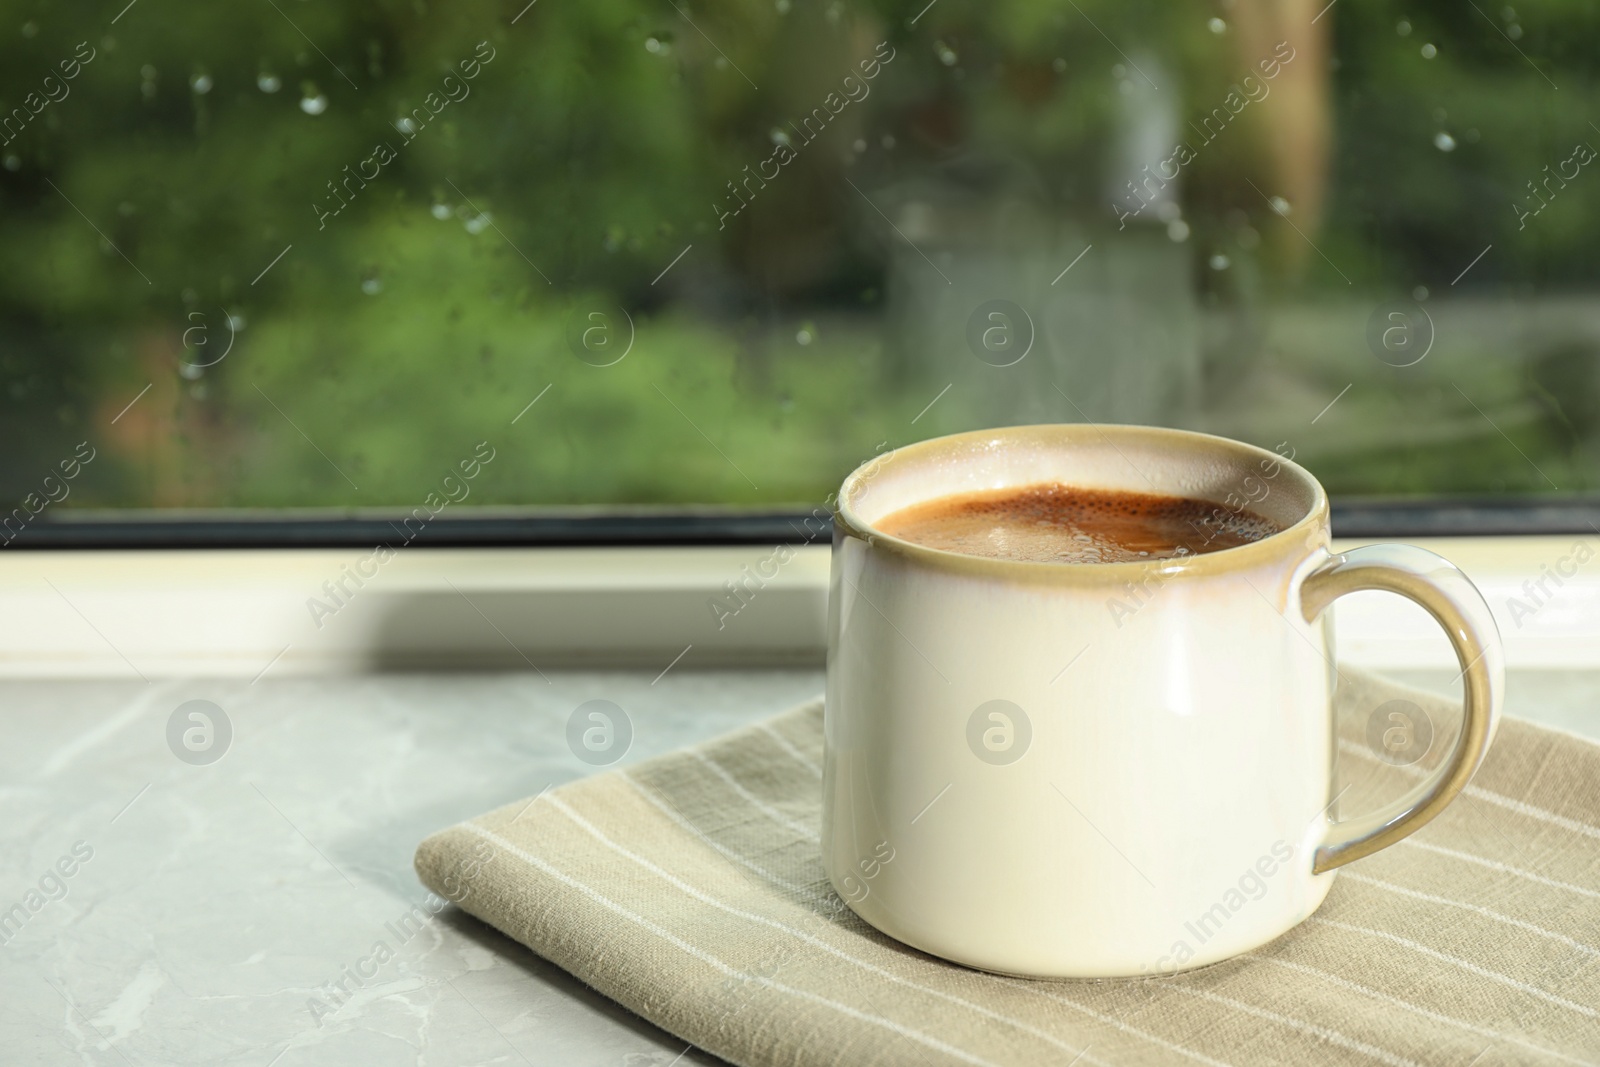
{"x":221,"y":901}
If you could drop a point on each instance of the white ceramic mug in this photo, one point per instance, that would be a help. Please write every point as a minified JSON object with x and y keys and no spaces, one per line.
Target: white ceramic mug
{"x":1058,"y":770}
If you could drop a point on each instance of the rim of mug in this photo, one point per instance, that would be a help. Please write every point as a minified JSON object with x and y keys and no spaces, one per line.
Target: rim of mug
{"x":1308,"y":528}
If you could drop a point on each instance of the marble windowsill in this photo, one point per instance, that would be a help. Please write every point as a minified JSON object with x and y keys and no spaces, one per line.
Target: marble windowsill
{"x":221,"y":900}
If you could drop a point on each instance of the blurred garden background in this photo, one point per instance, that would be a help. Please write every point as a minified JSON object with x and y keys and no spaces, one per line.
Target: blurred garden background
{"x":302,"y":254}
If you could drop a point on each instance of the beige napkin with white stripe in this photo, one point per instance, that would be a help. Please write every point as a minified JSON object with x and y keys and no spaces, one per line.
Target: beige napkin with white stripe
{"x":689,"y":888}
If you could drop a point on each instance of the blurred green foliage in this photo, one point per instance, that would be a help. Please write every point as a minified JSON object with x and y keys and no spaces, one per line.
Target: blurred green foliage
{"x":584,"y":171}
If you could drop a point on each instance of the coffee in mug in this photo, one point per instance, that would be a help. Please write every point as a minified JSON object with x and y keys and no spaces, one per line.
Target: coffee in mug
{"x":1055,"y":523}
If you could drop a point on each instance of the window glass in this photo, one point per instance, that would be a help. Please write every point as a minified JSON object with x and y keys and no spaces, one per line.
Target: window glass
{"x":296,"y":254}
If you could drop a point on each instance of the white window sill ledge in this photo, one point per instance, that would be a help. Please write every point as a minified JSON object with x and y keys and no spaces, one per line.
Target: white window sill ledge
{"x":244,"y":613}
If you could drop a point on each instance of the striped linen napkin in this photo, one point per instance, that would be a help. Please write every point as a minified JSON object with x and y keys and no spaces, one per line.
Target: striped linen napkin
{"x":689,"y":888}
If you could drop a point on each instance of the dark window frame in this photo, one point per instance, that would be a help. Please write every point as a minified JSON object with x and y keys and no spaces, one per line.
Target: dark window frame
{"x":1355,"y":517}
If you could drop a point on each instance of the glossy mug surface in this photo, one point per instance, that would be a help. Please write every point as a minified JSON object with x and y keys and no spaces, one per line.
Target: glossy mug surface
{"x":1106,"y":769}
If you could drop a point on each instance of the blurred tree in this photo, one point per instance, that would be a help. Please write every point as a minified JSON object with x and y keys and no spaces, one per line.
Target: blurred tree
{"x":399,"y":219}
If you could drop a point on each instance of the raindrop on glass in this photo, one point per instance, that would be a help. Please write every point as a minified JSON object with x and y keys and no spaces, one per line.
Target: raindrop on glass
{"x":1444,"y":142}
{"x":312,"y":102}
{"x":947,"y":55}
{"x":268,"y":82}
{"x":1220,"y":262}
{"x":372,"y":286}
{"x":13,"y":162}
{"x":200,"y":83}
{"x":1403,"y":28}
{"x":1280,"y":205}
{"x":1217,"y":26}
{"x":440,"y":211}
{"x":803,"y":336}
{"x":1178,"y":230}
{"x":1428,"y":51}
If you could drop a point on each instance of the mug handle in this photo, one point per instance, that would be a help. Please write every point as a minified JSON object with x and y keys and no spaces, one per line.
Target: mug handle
{"x":1438,"y":586}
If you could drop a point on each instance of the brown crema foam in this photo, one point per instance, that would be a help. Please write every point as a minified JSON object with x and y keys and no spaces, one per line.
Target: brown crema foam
{"x":1055,"y":523}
